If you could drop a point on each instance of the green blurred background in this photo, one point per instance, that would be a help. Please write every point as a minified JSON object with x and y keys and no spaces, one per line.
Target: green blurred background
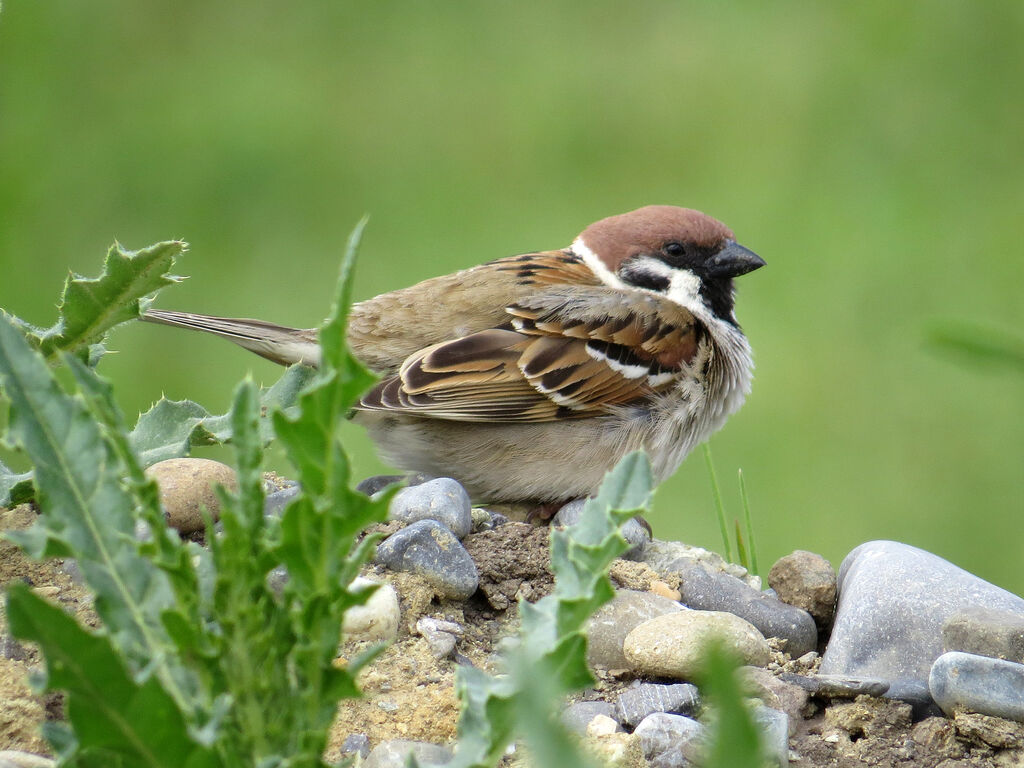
{"x":872,"y":153}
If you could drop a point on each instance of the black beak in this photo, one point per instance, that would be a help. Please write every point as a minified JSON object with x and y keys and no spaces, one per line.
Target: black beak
{"x":733,"y":260}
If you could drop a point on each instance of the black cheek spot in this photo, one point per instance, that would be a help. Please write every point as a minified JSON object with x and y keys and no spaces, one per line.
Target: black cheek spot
{"x":643,"y":278}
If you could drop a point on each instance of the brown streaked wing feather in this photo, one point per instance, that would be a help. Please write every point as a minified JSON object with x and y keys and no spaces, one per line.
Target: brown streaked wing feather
{"x":502,"y":375}
{"x":386,"y":330}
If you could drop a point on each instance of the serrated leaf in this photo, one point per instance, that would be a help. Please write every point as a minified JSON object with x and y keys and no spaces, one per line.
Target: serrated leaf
{"x":114,"y":718}
{"x":171,"y":428}
{"x":89,"y":307}
{"x":86,"y":510}
{"x":550,"y":659}
{"x":15,"y":487}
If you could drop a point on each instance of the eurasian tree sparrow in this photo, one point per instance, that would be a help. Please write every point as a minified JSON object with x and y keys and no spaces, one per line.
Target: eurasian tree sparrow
{"x":529,"y":377}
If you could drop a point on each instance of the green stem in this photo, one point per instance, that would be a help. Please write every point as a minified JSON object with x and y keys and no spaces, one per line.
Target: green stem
{"x":716,"y":491}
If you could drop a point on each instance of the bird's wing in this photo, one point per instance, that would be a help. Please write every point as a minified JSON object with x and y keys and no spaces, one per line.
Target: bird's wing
{"x":386,"y":330}
{"x":559,"y":355}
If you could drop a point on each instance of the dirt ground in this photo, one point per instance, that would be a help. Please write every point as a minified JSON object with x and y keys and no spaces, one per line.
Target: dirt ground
{"x":409,"y":693}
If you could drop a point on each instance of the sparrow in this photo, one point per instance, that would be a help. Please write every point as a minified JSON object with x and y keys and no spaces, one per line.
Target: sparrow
{"x":527,"y":378}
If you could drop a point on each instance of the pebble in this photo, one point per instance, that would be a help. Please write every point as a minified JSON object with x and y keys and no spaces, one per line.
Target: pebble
{"x":665,"y":738}
{"x":964,"y":681}
{"x":394,"y":753}
{"x":774,"y":728}
{"x":985,"y":632}
{"x":443,"y":500}
{"x":377,"y":619}
{"x":602,"y":725}
{"x":916,"y":694}
{"x":186,"y":486}
{"x":674,"y":645}
{"x":670,"y":556}
{"x":486,"y":519}
{"x":274,"y":503}
{"x":633,"y":530}
{"x":356,"y":744}
{"x":836,"y":686}
{"x":807,"y":581}
{"x":712,"y":591}
{"x":576,"y":717}
{"x":608,"y":627}
{"x":775,"y":692}
{"x":11,"y":649}
{"x":432,"y":552}
{"x":440,"y":635}
{"x":13,"y":758}
{"x":893,"y":602}
{"x":643,"y":699}
{"x":378,"y":483}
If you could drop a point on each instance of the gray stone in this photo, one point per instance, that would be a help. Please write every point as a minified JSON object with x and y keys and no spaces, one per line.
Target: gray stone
{"x":356,"y":744}
{"x":377,"y":619}
{"x":608,"y":627}
{"x":11,"y":649}
{"x":443,"y":500}
{"x":643,"y":699}
{"x":275,"y":502}
{"x":665,"y":739}
{"x":807,"y":581}
{"x":670,"y":556}
{"x":836,"y":686}
{"x":577,"y":717}
{"x":916,"y":694}
{"x":708,"y":590}
{"x":395,"y":752}
{"x":633,"y":530}
{"x":377,"y":483}
{"x":893,"y":601}
{"x":964,"y":681}
{"x":440,"y":635}
{"x":674,"y":645}
{"x":776,"y":693}
{"x":432,"y":552}
{"x":774,"y":728}
{"x":985,"y":632}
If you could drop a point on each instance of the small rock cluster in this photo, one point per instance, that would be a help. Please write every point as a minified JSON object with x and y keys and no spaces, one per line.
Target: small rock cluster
{"x":900,"y":658}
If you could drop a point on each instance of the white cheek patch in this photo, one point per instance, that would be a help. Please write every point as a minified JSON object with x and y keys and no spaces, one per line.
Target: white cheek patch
{"x":597,"y":266}
{"x":684,"y":289}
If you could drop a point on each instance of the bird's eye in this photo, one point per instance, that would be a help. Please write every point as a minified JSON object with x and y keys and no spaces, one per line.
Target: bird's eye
{"x":674,"y":249}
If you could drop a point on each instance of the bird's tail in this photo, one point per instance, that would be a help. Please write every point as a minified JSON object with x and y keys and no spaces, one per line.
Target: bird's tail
{"x":275,"y":342}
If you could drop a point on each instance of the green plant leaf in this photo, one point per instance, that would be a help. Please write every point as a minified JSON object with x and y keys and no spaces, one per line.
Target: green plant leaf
{"x":15,"y":487}
{"x":979,"y":345}
{"x":116,"y":720}
{"x":171,"y":428}
{"x":87,"y":512}
{"x":549,"y":659}
{"x":89,"y":307}
{"x":734,"y":741}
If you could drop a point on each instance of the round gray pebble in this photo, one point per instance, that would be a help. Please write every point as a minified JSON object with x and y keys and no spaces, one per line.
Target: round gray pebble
{"x":963,"y":681}
{"x":665,"y":738}
{"x":443,"y":499}
{"x":709,"y":590}
{"x":274,"y":503}
{"x":633,"y":530}
{"x":774,"y":727}
{"x":643,"y":699}
{"x":431,"y":551}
